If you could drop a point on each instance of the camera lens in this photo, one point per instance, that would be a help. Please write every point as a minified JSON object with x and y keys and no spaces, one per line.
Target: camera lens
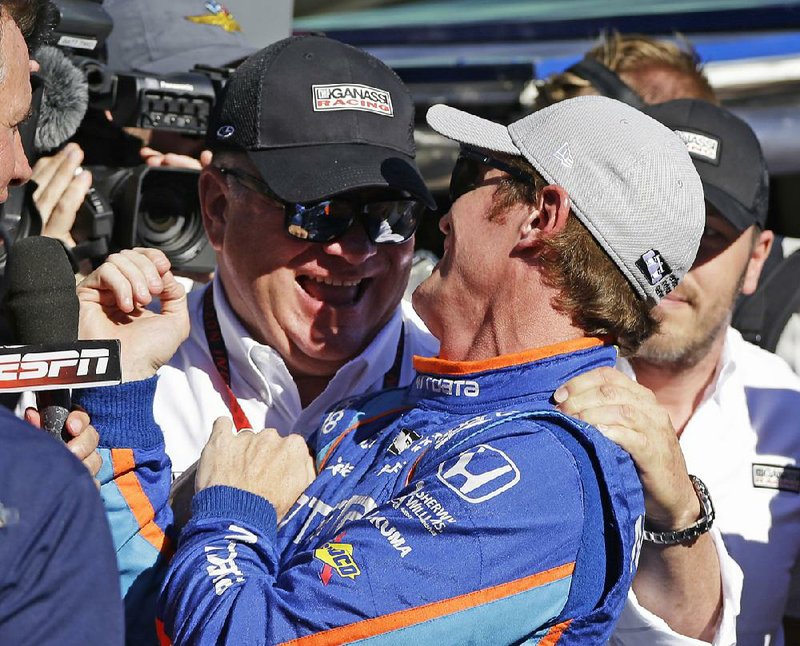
{"x":169,"y":215}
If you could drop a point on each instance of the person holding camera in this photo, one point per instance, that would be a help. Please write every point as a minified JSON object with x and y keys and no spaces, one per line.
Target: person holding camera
{"x":58,"y":573}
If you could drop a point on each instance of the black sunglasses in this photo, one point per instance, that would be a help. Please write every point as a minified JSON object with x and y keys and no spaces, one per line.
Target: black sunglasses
{"x":468,"y":174}
{"x":386,"y":222}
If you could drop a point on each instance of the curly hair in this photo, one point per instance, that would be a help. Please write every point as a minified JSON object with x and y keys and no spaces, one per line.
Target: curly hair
{"x":593,"y":291}
{"x":637,"y":59}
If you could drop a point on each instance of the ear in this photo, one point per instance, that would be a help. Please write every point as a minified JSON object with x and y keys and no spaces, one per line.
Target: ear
{"x":213,"y":204}
{"x":758,"y":255}
{"x":548,"y":218}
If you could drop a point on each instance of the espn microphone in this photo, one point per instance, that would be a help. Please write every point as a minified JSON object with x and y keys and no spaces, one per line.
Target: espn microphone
{"x":43,"y":309}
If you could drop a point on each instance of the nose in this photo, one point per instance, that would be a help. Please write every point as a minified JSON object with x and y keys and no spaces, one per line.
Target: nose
{"x":22,"y":169}
{"x":354,"y":246}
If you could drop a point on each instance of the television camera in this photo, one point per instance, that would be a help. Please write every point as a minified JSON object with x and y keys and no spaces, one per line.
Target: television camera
{"x":126,"y":206}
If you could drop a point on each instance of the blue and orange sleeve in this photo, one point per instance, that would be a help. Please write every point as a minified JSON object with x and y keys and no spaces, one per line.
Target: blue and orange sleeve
{"x":135,"y":482}
{"x":427,"y":566}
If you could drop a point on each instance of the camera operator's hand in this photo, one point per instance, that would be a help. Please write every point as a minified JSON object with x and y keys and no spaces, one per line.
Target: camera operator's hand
{"x":62,"y":187}
{"x":113,"y":302}
{"x":153,"y":157}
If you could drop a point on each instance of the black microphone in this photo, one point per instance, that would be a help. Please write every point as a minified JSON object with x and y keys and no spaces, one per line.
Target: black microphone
{"x":43,"y":308}
{"x":65,"y":97}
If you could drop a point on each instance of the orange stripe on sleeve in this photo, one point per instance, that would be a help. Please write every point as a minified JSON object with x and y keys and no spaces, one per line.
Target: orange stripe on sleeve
{"x":131,"y":490}
{"x":444,"y":367}
{"x":554,"y":634}
{"x":405,"y":618}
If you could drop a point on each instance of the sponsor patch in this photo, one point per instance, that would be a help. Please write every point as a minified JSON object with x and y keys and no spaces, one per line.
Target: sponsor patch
{"x":223,"y":570}
{"x":423,"y":506}
{"x":773,"y":476}
{"x":479,"y":474}
{"x":352,"y":96}
{"x":338,"y":558}
{"x":454,"y":387}
{"x":392,"y":535}
{"x":701,"y":146}
{"x":653,"y":266}
{"x":405,"y":438}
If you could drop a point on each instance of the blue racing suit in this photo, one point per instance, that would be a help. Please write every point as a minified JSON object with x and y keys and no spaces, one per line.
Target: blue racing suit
{"x":461,"y":509}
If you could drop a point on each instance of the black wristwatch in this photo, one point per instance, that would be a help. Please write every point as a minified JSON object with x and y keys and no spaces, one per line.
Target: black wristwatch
{"x":694,"y":530}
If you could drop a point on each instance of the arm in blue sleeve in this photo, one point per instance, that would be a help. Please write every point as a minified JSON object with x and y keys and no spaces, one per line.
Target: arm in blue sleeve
{"x":135,"y":481}
{"x":428,"y":565}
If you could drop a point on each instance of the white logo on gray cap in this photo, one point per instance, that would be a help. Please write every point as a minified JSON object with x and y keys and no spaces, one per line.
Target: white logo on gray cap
{"x":225,"y":132}
{"x":564,"y":155}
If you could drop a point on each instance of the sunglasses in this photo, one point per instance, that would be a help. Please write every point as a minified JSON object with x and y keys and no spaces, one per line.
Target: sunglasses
{"x":469,"y":170}
{"x":386,"y":222}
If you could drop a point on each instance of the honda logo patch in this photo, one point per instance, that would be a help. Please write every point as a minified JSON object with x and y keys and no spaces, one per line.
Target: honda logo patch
{"x":773,"y":476}
{"x":479,"y":474}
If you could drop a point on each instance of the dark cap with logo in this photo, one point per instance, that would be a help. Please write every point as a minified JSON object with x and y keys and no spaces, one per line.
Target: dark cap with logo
{"x":727,"y":156}
{"x":318,"y":118}
{"x":157,"y":37}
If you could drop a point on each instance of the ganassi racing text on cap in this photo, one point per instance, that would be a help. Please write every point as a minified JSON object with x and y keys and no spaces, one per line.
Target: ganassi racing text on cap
{"x":351,"y":96}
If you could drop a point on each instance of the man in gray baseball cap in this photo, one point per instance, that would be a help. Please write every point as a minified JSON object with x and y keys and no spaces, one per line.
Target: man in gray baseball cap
{"x":558,"y":244}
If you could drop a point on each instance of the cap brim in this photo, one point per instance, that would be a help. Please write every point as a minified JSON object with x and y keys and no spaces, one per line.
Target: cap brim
{"x":309,"y":173}
{"x":729,"y":208}
{"x":468,"y":129}
{"x":215,"y":56}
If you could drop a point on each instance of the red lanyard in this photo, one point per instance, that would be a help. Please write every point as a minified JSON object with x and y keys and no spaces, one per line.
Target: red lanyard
{"x":219,"y":354}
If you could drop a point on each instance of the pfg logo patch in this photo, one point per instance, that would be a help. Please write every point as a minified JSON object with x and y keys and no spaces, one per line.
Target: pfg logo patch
{"x":337,"y":557}
{"x":479,"y":474}
{"x":653,"y":266}
{"x":351,"y":96}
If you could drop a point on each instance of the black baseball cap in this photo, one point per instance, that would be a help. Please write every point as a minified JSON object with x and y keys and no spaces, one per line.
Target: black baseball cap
{"x":727,"y":156}
{"x":318,"y":118}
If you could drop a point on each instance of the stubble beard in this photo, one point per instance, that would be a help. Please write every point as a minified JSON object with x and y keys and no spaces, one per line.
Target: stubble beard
{"x":681,"y":349}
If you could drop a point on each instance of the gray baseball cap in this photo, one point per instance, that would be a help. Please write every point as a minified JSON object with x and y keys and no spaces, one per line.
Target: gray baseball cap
{"x":630,"y":179}
{"x":157,"y":37}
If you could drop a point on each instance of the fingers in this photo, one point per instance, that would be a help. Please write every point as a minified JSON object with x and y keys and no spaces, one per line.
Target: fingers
{"x":53,"y":176}
{"x":33,"y":417}
{"x":84,"y":444}
{"x":93,"y":463}
{"x":77,"y":421}
{"x":601,"y":387}
{"x":62,"y":217}
{"x":132,"y":276}
{"x":206,"y":157}
{"x":181,"y":161}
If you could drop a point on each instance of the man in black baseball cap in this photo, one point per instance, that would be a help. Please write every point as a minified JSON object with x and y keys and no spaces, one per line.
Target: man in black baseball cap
{"x":311,"y":204}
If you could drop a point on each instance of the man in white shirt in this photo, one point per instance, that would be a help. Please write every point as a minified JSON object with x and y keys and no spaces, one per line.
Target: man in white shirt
{"x":313,"y":151}
{"x":734,"y":406}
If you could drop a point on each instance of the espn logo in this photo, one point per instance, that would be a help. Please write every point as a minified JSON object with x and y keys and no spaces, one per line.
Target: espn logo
{"x":83,"y":364}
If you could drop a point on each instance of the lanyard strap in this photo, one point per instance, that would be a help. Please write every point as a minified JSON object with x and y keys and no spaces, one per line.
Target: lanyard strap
{"x":219,"y":354}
